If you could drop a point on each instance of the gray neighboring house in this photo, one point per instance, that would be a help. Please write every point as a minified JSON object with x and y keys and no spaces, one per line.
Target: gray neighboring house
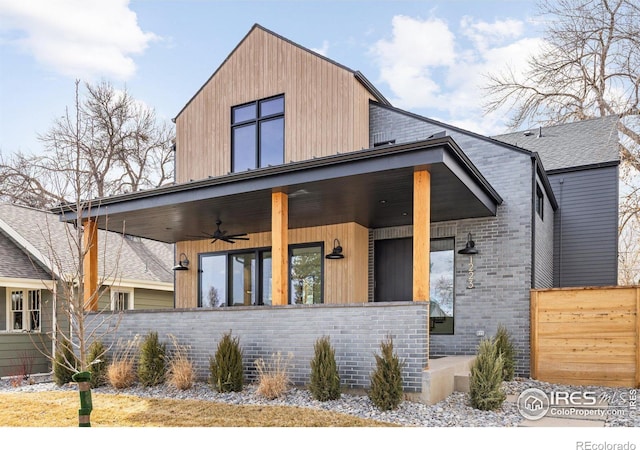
{"x":398,"y":197}
{"x":34,"y":249}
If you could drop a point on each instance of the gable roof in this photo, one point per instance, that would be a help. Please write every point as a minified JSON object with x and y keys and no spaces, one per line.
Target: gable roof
{"x":15,"y":263}
{"x":357,"y":74}
{"x":585,"y":143}
{"x":47,"y":241}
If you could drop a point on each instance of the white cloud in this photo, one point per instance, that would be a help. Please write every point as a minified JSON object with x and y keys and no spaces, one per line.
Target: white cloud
{"x":428,"y":67}
{"x":322,"y":50}
{"x":77,"y":38}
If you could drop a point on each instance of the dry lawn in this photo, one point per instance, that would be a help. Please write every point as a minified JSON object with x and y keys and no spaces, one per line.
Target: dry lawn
{"x":60,"y":409}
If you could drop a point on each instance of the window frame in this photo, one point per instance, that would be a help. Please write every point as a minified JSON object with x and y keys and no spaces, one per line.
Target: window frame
{"x":290,"y":255}
{"x":27,"y":319}
{"x":257,"y":280}
{"x":432,"y":320}
{"x":119,"y":290}
{"x":539,"y":202}
{"x":256,"y":122}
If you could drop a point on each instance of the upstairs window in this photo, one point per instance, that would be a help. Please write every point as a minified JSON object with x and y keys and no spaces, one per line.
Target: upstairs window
{"x":121,"y":300}
{"x":257,"y":134}
{"x":539,"y":202}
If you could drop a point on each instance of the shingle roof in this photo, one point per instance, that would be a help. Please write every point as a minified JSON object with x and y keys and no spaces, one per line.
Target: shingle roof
{"x":593,"y":141}
{"x":118,"y":256}
{"x":15,"y":263}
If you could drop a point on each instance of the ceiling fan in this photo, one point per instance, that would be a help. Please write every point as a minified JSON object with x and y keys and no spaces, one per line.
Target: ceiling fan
{"x":221,"y":235}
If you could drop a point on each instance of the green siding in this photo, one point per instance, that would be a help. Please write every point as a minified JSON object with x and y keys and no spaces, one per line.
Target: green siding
{"x":152,"y":299}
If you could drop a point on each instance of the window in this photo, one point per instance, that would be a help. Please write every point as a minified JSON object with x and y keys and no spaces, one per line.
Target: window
{"x":121,"y":300}
{"x":305,"y":262}
{"x":235,"y":278}
{"x":539,"y":202}
{"x":442,"y":288}
{"x":23,"y":309}
{"x":257,"y":134}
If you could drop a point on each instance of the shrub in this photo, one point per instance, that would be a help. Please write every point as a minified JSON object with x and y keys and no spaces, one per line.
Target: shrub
{"x":98,"y":363}
{"x":152,"y":367}
{"x":180,"y":371}
{"x":325,"y":380}
{"x":63,"y":362}
{"x":386,"y":380}
{"x":273,"y":377}
{"x":485,"y":382}
{"x":226,"y":366}
{"x":507,"y":350}
{"x":121,"y":371}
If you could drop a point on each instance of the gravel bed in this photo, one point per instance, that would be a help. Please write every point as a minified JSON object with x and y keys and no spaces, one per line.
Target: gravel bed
{"x":454,"y":411}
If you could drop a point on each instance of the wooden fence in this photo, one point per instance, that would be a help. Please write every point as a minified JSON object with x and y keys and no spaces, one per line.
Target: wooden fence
{"x":586,"y":336}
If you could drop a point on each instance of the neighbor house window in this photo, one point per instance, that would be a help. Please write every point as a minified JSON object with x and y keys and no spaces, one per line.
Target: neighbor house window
{"x":257,"y":134}
{"x":305,"y":263}
{"x":441,"y":287}
{"x":24,"y":309}
{"x":539,"y":202}
{"x":121,"y":300}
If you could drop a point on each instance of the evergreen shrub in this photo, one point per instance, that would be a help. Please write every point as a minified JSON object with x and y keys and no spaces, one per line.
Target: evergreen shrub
{"x":325,"y":380}
{"x":485,"y":382}
{"x":98,"y":363}
{"x":62,"y":363}
{"x":507,"y":350}
{"x":386,"y":381}
{"x":225,"y":367}
{"x":152,"y":366}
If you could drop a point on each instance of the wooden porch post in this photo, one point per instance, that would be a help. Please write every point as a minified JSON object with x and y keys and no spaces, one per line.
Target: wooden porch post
{"x":90,"y":265}
{"x":280,"y":248}
{"x":421,"y":234}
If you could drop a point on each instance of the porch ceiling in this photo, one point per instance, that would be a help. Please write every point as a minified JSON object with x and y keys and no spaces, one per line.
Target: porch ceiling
{"x":372,"y":187}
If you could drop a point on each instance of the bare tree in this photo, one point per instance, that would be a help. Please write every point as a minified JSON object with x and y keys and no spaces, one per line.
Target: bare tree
{"x":121,"y":143}
{"x":588,"y":66}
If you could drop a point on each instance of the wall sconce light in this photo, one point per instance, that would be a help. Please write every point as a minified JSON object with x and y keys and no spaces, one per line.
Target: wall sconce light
{"x":336,"y":253}
{"x":183,"y":263}
{"x":469,"y":249}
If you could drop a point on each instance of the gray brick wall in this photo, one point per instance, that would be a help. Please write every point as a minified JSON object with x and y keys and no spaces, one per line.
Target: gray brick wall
{"x":355,"y":332}
{"x":503,"y":266}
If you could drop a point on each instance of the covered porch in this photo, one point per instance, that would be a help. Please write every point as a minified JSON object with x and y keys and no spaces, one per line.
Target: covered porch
{"x":332,"y":201}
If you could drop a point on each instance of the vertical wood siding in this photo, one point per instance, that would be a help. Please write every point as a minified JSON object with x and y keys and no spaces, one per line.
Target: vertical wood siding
{"x":326,"y":108}
{"x":586,"y":336}
{"x":345,"y":280}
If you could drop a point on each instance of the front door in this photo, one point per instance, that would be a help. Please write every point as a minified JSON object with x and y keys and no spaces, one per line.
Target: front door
{"x":393,"y":270}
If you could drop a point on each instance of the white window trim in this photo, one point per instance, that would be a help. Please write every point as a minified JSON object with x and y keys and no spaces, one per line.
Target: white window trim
{"x":25,"y":310}
{"x":118,"y":290}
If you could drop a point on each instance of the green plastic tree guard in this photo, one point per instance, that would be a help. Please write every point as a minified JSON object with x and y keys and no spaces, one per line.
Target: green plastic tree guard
{"x":84,"y":389}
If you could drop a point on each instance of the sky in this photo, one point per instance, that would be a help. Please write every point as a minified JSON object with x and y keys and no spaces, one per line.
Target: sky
{"x":426,"y":56}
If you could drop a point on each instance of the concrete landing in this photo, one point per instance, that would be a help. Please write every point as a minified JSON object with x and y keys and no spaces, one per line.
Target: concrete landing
{"x":444,"y":376}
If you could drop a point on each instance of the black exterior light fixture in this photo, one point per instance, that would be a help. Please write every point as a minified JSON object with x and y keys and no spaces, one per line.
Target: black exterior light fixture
{"x":469,"y":249}
{"x":336,"y":253}
{"x":183,"y":263}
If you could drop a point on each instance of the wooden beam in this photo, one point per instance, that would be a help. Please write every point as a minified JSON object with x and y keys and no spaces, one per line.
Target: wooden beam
{"x":637,"y":339}
{"x":421,"y":234}
{"x":90,"y":265}
{"x":280,"y":248}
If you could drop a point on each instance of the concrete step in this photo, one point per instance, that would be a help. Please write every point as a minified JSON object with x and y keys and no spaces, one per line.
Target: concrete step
{"x":461,"y":382}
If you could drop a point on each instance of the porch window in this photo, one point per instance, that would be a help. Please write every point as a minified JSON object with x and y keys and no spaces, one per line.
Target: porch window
{"x":121,"y":300}
{"x":441,"y":306}
{"x":305,"y":262}
{"x":24,"y":309}
{"x":235,"y":278}
{"x":257,"y":134}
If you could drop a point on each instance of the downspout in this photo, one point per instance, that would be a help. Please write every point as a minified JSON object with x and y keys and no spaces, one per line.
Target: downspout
{"x":54,"y":321}
{"x":560,"y":236}
{"x":533,"y":220}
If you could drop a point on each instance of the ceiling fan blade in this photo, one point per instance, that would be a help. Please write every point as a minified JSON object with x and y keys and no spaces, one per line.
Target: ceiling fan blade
{"x":238,"y":238}
{"x":214,"y":240}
